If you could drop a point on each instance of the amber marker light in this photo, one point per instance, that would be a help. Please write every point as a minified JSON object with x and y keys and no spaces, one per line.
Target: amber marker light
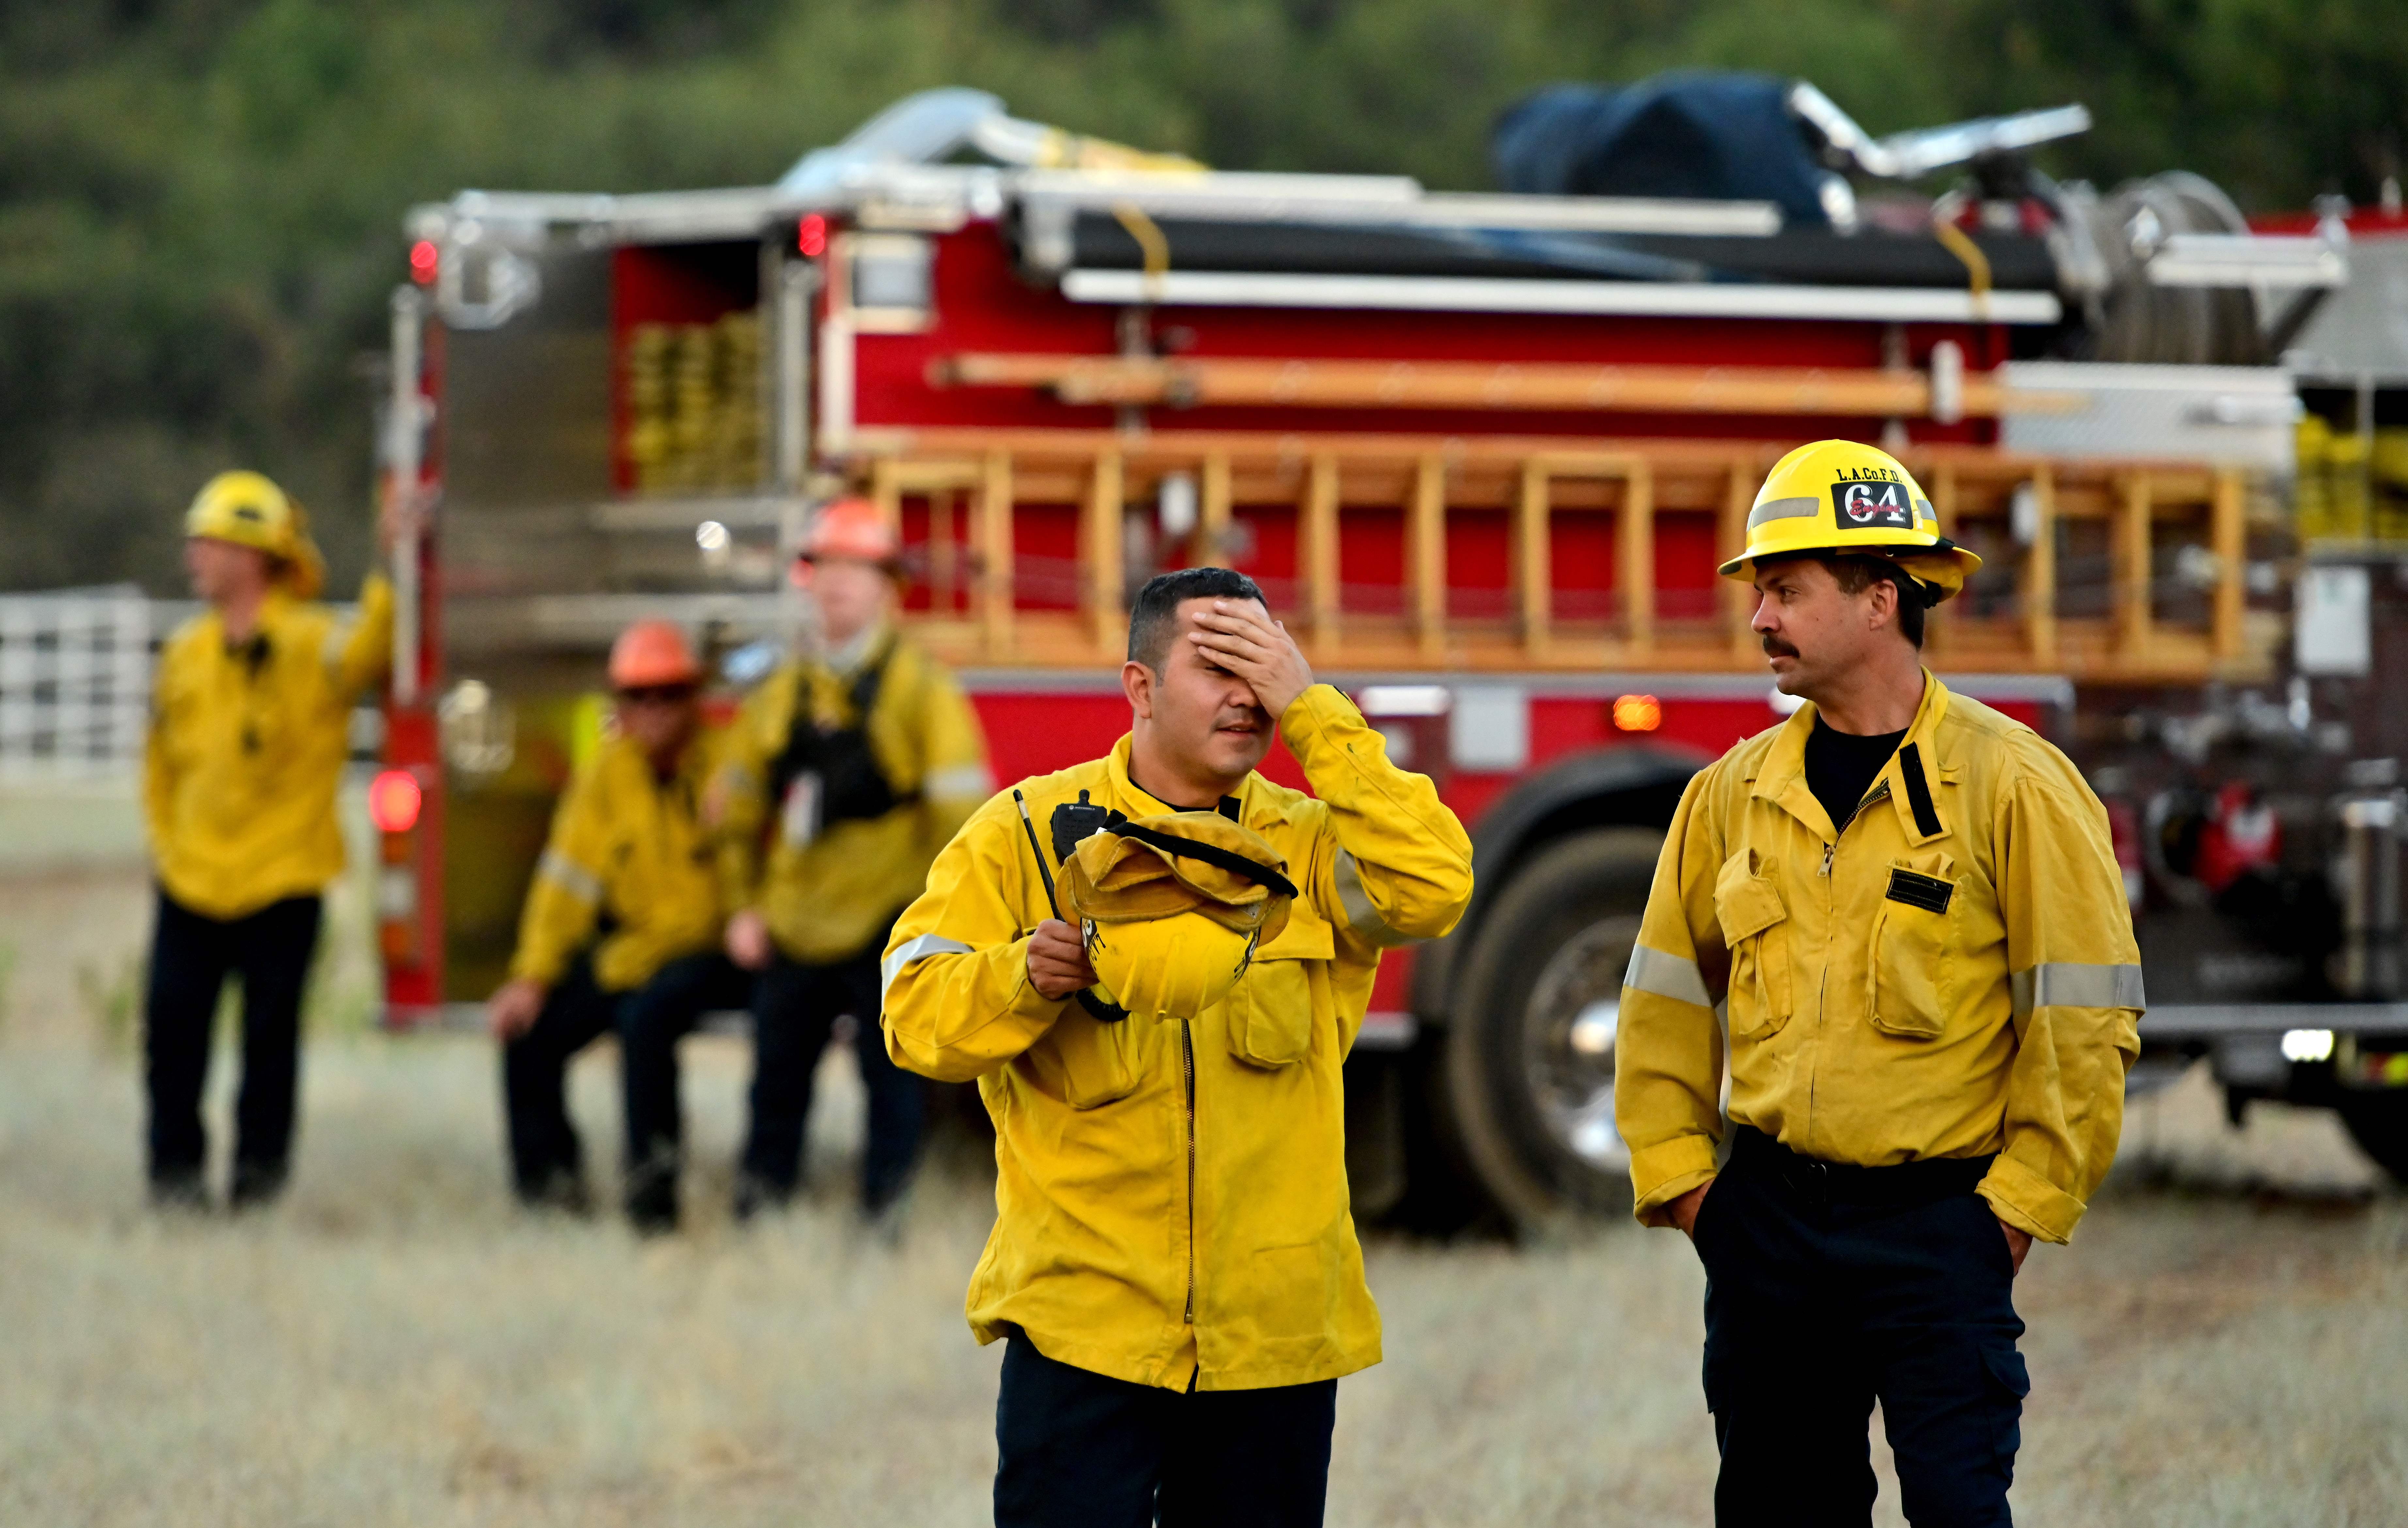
{"x":1637,"y":714}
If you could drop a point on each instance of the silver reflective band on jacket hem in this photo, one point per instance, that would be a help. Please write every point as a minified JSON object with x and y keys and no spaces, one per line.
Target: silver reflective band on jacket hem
{"x":958,"y":782}
{"x":1667,"y":976}
{"x":1783,"y":509}
{"x":568,"y":875}
{"x":915,"y":949}
{"x":2058,"y":984}
{"x":1361,"y":916}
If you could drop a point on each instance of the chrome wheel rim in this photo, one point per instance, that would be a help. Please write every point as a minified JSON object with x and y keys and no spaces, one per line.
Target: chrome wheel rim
{"x":1568,"y":1034}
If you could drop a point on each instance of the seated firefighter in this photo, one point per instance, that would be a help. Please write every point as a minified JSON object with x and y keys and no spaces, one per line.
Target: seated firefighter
{"x":620,"y":932}
{"x":1154,"y":964}
{"x":846,"y":772}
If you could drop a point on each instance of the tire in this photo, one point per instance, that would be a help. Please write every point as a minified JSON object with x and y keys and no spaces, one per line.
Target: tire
{"x":1528,"y":1084}
{"x":2378,"y":1122}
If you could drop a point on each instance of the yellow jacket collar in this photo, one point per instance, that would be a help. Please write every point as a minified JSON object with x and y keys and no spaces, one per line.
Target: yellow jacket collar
{"x":1917,"y":800}
{"x":846,"y":659}
{"x":694,"y":764}
{"x":274,"y":606}
{"x":1782,"y":777}
{"x":1135,"y":800}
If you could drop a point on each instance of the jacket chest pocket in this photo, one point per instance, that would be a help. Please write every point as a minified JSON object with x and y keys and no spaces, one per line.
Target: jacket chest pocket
{"x":1271,"y":1014}
{"x":1090,"y":1063}
{"x":1913,"y":954}
{"x":1755,"y":923}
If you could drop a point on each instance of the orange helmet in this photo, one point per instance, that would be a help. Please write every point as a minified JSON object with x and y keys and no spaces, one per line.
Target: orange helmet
{"x":853,"y":527}
{"x":653,"y":654}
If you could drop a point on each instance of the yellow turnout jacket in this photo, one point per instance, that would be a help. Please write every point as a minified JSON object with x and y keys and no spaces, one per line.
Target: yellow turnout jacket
{"x":1951,"y":972}
{"x":1171,"y":1196}
{"x":246,"y":745}
{"x":629,"y":844}
{"x":827,"y":895}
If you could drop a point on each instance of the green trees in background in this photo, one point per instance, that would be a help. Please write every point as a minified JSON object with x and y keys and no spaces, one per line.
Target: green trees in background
{"x":200,"y":199}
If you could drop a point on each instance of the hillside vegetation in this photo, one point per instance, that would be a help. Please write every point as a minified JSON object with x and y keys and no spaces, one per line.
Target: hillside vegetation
{"x":199,"y":199}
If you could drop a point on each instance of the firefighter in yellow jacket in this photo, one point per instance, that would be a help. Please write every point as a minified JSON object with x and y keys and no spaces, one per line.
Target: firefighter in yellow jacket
{"x":1173,"y":1262}
{"x":1894,"y":928}
{"x":846,"y":772}
{"x":620,"y":933}
{"x":251,"y":713}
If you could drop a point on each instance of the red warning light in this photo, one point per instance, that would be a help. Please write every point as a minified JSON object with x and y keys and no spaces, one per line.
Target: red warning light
{"x":394,"y":801}
{"x":1637,"y":713}
{"x":423,"y":258}
{"x":810,"y":237}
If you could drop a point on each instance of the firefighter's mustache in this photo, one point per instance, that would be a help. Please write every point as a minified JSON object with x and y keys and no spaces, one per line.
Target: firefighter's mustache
{"x":1775,"y":648}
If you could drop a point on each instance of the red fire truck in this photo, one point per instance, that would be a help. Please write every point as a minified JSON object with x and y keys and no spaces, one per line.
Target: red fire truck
{"x":1482,"y":452}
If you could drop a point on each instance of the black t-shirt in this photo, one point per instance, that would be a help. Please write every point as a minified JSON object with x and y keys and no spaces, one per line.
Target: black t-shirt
{"x":1840,"y":767}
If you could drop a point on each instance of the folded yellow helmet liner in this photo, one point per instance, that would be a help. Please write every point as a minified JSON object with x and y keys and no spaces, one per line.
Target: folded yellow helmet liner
{"x":1170,"y":908}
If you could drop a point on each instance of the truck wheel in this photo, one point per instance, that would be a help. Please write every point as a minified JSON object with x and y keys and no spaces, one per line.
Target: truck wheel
{"x":1529,"y":1062}
{"x":2378,"y":1122}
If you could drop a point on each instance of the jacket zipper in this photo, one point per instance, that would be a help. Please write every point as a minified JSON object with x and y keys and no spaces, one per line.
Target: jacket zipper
{"x":1828,"y":849}
{"x":1187,"y":1058}
{"x":1823,"y":978}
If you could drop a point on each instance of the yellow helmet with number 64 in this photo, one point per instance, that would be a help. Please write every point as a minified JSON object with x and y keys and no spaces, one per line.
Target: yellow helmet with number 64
{"x":1847,"y":497}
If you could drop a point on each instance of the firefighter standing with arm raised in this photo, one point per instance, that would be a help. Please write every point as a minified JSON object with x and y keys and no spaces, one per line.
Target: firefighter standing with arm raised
{"x":1912,"y":908}
{"x":249,"y":729}
{"x":628,"y":845}
{"x":846,"y":774}
{"x":1173,"y":1262}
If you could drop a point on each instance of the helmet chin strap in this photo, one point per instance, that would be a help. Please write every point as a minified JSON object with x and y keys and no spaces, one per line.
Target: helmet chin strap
{"x":1219,"y":858}
{"x":1103,"y":1012}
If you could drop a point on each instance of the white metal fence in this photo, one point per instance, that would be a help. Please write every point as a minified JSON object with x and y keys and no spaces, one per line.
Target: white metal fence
{"x":75,"y":683}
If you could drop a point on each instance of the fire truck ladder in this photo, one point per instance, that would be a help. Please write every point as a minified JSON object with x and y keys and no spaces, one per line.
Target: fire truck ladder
{"x":2105,"y":571}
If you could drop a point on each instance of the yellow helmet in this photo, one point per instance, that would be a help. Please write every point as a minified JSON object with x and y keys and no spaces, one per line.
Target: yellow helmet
{"x":1849,"y":498}
{"x":1171,"y":907}
{"x":250,"y":510}
{"x":1174,"y":967}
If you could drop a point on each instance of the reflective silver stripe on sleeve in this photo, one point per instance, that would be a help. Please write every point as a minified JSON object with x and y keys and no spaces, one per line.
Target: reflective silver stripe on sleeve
{"x":338,"y":637}
{"x":958,"y":782}
{"x":1723,"y":1141}
{"x":568,"y":875}
{"x":2058,"y":984}
{"x":1667,"y":976}
{"x":1783,"y":509}
{"x":918,"y":949}
{"x":1361,"y":916}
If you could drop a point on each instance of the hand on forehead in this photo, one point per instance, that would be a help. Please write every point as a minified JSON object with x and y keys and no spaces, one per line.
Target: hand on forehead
{"x":1222,"y":628}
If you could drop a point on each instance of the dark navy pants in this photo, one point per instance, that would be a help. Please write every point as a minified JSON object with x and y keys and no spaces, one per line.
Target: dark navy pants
{"x":1820,"y":1301}
{"x":651,"y":1020}
{"x":546,"y":1160}
{"x":794,"y":1009}
{"x":1078,"y":1449}
{"x":191,"y":957}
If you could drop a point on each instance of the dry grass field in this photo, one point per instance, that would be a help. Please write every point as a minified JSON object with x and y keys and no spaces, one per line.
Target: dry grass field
{"x":2226,"y":1343}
